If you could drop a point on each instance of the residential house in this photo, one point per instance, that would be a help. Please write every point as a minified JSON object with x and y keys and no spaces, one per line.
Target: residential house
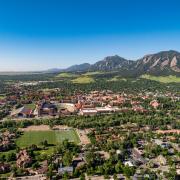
{"x":22,"y":112}
{"x":67,"y":169}
{"x":4,"y":168}
{"x":23,"y":159}
{"x":154,"y":104}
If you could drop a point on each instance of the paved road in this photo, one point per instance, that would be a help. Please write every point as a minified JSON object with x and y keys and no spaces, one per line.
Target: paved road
{"x":35,"y":177}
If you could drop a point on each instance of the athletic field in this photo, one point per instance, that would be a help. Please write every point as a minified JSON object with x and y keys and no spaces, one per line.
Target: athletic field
{"x":53,"y":137}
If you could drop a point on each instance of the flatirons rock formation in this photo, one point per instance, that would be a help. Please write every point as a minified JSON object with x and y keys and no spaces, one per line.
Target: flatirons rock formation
{"x":162,"y":63}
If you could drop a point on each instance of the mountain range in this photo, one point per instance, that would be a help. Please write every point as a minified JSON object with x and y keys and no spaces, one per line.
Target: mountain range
{"x":161,"y":63}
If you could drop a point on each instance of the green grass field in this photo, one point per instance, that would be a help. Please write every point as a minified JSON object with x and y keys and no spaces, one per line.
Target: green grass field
{"x":92,"y":73}
{"x":66,"y":75}
{"x":116,"y":78}
{"x":83,"y":80}
{"x":53,"y":137}
{"x":71,"y":135}
{"x":162,"y":79}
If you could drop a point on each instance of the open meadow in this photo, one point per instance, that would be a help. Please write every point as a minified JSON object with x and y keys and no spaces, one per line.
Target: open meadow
{"x":83,"y":80}
{"x":66,"y":75}
{"x":162,"y":79}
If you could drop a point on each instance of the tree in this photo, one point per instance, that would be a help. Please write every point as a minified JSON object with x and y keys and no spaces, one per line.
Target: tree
{"x":171,"y":174}
{"x":67,"y":158}
{"x":115,"y":177}
{"x":44,"y":143}
{"x":35,"y":165}
{"x":2,"y":157}
{"x":50,"y":172}
{"x":33,"y":147}
{"x":10,"y":157}
{"x":118,"y":167}
{"x":65,"y":176}
{"x":82,"y":177}
{"x":128,"y":171}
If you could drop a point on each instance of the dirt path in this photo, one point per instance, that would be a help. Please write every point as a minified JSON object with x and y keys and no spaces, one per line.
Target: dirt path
{"x":36,"y":128}
{"x":83,"y":136}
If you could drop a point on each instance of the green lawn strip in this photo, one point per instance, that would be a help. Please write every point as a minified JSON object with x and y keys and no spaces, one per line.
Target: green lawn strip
{"x":42,"y":152}
{"x":48,"y":151}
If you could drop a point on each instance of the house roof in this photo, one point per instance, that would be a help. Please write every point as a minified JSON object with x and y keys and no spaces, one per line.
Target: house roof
{"x":22,"y":110}
{"x":48,"y":105}
{"x":68,"y":169}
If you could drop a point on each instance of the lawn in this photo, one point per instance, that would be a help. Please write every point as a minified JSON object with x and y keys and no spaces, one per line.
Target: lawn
{"x":30,"y":106}
{"x":53,"y":137}
{"x":83,"y":80}
{"x":162,"y":79}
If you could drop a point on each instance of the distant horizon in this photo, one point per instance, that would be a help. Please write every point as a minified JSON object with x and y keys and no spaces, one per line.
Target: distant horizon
{"x":37,"y":35}
{"x":41,"y":70}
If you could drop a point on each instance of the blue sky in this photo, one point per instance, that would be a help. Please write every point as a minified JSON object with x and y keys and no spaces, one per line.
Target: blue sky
{"x":43,"y":34}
